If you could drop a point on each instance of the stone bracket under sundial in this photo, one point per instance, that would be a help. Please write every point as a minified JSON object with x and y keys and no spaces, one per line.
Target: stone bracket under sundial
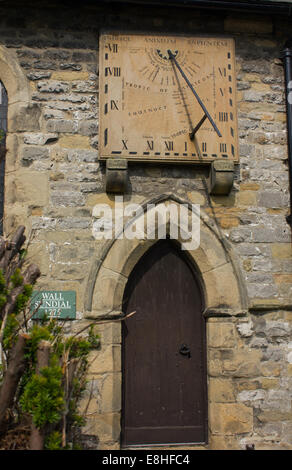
{"x":116,"y":175}
{"x":221,"y":177}
{"x":220,"y":182}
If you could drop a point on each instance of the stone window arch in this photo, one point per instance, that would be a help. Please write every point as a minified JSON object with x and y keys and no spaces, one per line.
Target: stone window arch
{"x":21,"y":115}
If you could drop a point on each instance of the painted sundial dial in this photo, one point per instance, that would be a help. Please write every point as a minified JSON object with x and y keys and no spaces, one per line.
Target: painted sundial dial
{"x":167,"y":98}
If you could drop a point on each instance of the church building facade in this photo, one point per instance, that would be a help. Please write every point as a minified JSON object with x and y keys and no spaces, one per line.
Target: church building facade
{"x":146,"y":147}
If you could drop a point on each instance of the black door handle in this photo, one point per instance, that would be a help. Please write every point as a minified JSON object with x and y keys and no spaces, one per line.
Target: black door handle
{"x":185,"y":350}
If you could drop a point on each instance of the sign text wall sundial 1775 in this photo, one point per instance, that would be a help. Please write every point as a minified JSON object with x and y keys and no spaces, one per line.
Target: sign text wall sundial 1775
{"x":56,"y":304}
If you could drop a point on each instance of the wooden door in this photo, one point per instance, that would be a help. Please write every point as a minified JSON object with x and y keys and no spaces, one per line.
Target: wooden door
{"x":164,"y":363}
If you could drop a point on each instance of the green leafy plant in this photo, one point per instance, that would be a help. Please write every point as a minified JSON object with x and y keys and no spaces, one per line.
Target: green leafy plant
{"x":47,"y":396}
{"x":11,"y":327}
{"x":54,"y":441}
{"x":3,"y":290}
{"x":43,"y":396}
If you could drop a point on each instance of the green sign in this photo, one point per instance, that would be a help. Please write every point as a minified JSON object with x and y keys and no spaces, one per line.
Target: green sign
{"x":56,"y":304}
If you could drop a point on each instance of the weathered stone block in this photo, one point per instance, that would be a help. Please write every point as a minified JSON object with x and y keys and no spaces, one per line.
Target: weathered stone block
{"x":88,"y":407}
{"x":39,"y":138}
{"x":247,"y":384}
{"x":251,"y":396}
{"x":265,"y":234}
{"x":244,"y":363}
{"x":223,"y":443}
{"x":38,"y":254}
{"x":52,"y":86}
{"x":38,"y":75}
{"x":277,"y":400}
{"x":67,"y":198}
{"x":273,"y":353}
{"x":221,"y":390}
{"x":229,"y":222}
{"x":70,"y":271}
{"x":108,"y":359}
{"x":254,"y":96}
{"x":89,"y":128}
{"x":229,"y":419}
{"x":41,"y":64}
{"x":277,"y":328}
{"x":61,"y":125}
{"x":73,"y":223}
{"x":30,"y":154}
{"x":68,"y":75}
{"x":245,"y":329}
{"x":25,"y":118}
{"x":287,"y":432}
{"x":110,"y":333}
{"x":70,"y":66}
{"x":196,"y":197}
{"x":111,"y":393}
{"x":50,"y":113}
{"x":107,"y":427}
{"x":282,"y":250}
{"x":270,"y":369}
{"x":56,"y":176}
{"x":90,"y":187}
{"x":81,"y":86}
{"x":32,"y":188}
{"x":216,"y":282}
{"x":270,"y":199}
{"x":47,"y":223}
{"x":85,"y":156}
{"x":247,"y":198}
{"x":108,"y":293}
{"x":261,"y":291}
{"x":221,"y":335}
{"x":269,"y":383}
{"x":74,"y":142}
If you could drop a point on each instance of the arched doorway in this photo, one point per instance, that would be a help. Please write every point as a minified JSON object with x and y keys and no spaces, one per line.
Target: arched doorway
{"x":217,"y":265}
{"x":164,"y":353}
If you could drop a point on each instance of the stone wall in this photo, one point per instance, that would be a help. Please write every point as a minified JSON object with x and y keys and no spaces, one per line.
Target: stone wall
{"x":49,"y":66}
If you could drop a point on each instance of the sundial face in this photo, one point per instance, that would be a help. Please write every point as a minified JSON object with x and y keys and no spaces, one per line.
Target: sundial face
{"x":147,"y":108}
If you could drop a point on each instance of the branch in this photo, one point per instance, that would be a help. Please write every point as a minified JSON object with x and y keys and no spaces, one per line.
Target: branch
{"x":37,"y":436}
{"x":12,"y":376}
{"x":29,"y":277}
{"x":100,"y":322}
{"x":3,"y":245}
{"x":70,"y":371}
{"x":13,"y":247}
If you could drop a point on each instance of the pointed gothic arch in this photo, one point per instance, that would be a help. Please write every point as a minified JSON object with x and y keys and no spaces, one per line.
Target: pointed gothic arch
{"x":14,"y":80}
{"x":22,"y":115}
{"x":214,"y":260}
